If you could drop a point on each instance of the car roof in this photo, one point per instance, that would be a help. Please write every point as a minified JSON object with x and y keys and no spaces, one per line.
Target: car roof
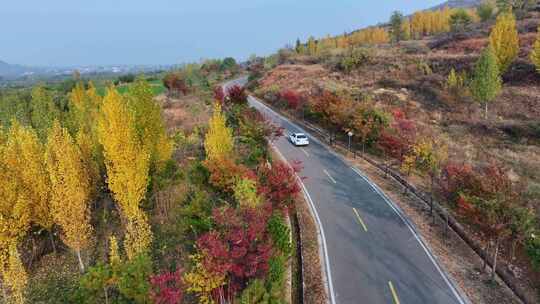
{"x":298,"y":133}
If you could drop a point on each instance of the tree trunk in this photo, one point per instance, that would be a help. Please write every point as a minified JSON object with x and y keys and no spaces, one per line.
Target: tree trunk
{"x":493,"y":271}
{"x":513,"y":249}
{"x":486,"y":111}
{"x":51,"y":238}
{"x":486,"y":251}
{"x":106,"y":295}
{"x":431,"y":196}
{"x":81,"y":264}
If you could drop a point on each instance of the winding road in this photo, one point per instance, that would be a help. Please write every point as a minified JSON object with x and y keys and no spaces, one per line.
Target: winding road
{"x":372,"y":254}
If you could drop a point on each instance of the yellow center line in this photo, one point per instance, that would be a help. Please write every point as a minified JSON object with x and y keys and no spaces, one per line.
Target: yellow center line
{"x":394,"y":293}
{"x":360,"y":219}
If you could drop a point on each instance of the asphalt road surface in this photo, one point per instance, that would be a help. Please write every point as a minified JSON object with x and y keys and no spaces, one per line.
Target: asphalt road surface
{"x":371,"y":253}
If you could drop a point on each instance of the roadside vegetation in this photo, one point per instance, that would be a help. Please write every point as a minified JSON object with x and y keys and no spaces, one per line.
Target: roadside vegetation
{"x":449,"y":98}
{"x":128,"y":197}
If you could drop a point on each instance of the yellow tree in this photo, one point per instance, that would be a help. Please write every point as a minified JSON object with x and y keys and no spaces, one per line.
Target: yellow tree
{"x":138,"y":236}
{"x":535,"y":53}
{"x":149,"y":123}
{"x":70,"y":190}
{"x":15,"y":210}
{"x":13,"y":272}
{"x":114,"y":252}
{"x":126,"y":159}
{"x":504,"y":39}
{"x":84,"y":107}
{"x":89,"y":155}
{"x":245,"y":193}
{"x":24,"y":157}
{"x":312,"y":47}
{"x":218,"y":142}
{"x":417,"y":25}
{"x":406,"y":29}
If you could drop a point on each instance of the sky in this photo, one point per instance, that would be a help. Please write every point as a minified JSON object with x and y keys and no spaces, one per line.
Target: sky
{"x":107,"y":32}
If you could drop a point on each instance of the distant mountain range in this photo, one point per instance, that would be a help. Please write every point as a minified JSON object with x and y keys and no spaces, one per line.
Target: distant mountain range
{"x":14,"y":70}
{"x":457,"y":4}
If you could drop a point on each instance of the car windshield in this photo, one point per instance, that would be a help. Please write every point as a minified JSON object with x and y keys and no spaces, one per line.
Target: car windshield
{"x":301,"y":136}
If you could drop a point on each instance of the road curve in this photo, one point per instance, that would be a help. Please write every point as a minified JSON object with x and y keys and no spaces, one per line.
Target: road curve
{"x":372,"y":252}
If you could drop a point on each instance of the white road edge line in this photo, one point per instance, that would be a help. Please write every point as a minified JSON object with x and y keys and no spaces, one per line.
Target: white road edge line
{"x":329,"y":176}
{"x":419,"y":238}
{"x":305,"y":152}
{"x":321,"y":231}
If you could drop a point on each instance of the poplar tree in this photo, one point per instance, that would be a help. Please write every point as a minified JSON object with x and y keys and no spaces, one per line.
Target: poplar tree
{"x":70,"y":190}
{"x":126,"y":160}
{"x":44,"y":110}
{"x":504,"y":40}
{"x":15,"y":213}
{"x":406,"y":29}
{"x":312,"y":48}
{"x":486,"y":83}
{"x":218,"y":142}
{"x":23,"y":157}
{"x":149,"y":123}
{"x":14,"y":274}
{"x":84,"y":107}
{"x":138,"y":236}
{"x":396,"y":24}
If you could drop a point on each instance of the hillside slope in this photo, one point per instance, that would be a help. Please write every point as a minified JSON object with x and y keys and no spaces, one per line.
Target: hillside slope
{"x":397,"y":100}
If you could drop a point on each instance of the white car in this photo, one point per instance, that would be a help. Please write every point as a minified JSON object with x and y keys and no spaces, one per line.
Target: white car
{"x":299,"y":139}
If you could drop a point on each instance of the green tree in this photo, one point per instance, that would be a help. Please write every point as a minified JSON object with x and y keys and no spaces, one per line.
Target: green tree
{"x":297,"y":46}
{"x":312,"y":47}
{"x":460,"y":20}
{"x":44,"y":110}
{"x":519,"y":7}
{"x":504,"y":40}
{"x":149,"y":123}
{"x":396,"y":25}
{"x":486,"y":83}
{"x":485,"y":10}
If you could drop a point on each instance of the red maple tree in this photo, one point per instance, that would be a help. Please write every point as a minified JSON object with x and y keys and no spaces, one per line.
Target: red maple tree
{"x":166,"y":287}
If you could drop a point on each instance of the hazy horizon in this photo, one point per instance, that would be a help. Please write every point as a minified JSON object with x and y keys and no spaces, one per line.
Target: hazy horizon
{"x":75,"y":33}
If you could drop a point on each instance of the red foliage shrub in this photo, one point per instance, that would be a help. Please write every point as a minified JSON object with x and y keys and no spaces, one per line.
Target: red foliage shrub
{"x":166,"y":288}
{"x":223,"y":173}
{"x":256,"y":126}
{"x":392,"y":145}
{"x":400,"y":138}
{"x":279,"y":184}
{"x":239,"y":247}
{"x":455,"y":178}
{"x":219,"y":95}
{"x":175,"y":83}
{"x":468,"y":188}
{"x":236,"y":95}
{"x":293,"y":99}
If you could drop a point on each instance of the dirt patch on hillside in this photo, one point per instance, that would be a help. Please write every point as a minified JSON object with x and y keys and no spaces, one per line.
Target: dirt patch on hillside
{"x":186,"y":111}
